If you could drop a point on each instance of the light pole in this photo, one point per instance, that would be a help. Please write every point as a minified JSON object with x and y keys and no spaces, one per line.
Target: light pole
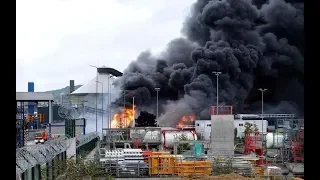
{"x":102,"y":106}
{"x":217,"y":73}
{"x":96,"y":97}
{"x":110,"y":114}
{"x":108,"y":102}
{"x":262,"y":91}
{"x":157,"y":89}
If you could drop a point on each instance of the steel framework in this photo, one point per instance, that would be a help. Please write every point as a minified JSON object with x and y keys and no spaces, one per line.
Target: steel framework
{"x":293,"y":144}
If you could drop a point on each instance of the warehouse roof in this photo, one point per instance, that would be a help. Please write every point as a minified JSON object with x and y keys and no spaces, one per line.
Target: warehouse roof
{"x":34,"y":96}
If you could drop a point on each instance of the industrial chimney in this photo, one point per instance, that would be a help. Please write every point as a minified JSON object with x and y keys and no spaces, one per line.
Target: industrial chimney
{"x":71,"y":86}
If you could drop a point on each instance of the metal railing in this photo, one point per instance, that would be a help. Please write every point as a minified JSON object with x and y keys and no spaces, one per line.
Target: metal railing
{"x":29,"y":156}
{"x":83,"y":139}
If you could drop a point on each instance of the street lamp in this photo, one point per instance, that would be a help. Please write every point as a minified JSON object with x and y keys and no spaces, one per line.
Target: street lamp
{"x":101,"y":107}
{"x":96,"y":97}
{"x":217,"y":73}
{"x":262,"y":91}
{"x":109,"y":101}
{"x":157,"y":89}
{"x":109,"y":98}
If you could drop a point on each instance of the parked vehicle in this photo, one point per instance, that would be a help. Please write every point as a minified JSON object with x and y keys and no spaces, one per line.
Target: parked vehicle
{"x":41,"y":137}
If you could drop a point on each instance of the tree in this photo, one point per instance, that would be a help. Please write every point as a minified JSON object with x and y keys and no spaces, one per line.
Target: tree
{"x":249,"y":128}
{"x":183,"y":146}
{"x":72,"y":170}
{"x":146,"y":120}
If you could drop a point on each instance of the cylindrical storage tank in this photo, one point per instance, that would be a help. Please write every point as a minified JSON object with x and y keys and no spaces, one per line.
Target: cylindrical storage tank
{"x":274,"y":140}
{"x":152,"y":136}
{"x":136,"y":131}
{"x":170,"y":136}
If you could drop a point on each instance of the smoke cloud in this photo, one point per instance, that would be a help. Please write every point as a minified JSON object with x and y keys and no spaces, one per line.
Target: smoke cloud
{"x":254,"y":43}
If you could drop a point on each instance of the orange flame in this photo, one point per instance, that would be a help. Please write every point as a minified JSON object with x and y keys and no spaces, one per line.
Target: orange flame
{"x":184,"y":120}
{"x":122,"y":119}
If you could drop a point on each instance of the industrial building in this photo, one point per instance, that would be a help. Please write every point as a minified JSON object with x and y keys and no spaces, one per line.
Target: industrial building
{"x":103,"y":83}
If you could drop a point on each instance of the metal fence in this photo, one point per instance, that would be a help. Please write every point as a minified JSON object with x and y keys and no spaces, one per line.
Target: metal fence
{"x":32,"y":156}
{"x":29,"y":156}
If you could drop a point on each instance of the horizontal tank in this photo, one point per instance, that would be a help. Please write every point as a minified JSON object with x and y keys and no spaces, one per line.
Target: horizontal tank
{"x":152,"y":136}
{"x":171,"y":136}
{"x":156,"y":136}
{"x":274,"y":140}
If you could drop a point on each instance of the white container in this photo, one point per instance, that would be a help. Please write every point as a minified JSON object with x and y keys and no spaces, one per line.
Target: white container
{"x":274,"y":140}
{"x":170,"y":137}
{"x":152,"y":136}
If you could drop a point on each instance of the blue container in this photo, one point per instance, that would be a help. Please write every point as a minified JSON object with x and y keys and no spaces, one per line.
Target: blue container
{"x":31,"y":104}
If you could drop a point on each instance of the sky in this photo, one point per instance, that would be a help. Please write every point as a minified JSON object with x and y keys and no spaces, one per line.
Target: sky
{"x":57,"y":40}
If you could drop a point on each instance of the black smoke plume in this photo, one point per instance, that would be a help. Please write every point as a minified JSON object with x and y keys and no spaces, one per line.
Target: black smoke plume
{"x":254,"y":43}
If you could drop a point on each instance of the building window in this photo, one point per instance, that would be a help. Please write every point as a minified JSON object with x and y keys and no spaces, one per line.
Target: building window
{"x":208,"y":125}
{"x":240,"y":124}
{"x":197,"y":124}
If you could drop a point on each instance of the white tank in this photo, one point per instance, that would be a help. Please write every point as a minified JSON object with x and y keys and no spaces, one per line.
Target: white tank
{"x":170,"y":137}
{"x":274,"y":140}
{"x":152,"y":136}
{"x":138,"y":131}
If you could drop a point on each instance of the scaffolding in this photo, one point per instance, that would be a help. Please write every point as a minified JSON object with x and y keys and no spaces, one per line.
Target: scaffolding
{"x":293,"y":144}
{"x":253,"y":144}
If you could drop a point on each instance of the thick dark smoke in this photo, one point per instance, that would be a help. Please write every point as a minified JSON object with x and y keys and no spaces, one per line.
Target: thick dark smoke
{"x":254,"y":43}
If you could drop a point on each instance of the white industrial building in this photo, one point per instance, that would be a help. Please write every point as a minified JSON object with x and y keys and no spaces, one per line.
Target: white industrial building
{"x":102,"y":83}
{"x":99,"y":89}
{"x":203,"y":127}
{"x":239,"y":124}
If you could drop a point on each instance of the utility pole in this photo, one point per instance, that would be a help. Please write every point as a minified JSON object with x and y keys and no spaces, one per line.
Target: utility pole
{"x":157,"y":122}
{"x":217,"y":73}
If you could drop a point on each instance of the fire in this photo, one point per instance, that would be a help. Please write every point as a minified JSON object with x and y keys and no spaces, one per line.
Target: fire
{"x":122,"y":119}
{"x":185,"y":120}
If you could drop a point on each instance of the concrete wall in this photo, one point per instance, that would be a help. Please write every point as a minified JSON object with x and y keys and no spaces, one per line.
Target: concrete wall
{"x":61,"y":130}
{"x":71,"y":151}
{"x":222,"y":135}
